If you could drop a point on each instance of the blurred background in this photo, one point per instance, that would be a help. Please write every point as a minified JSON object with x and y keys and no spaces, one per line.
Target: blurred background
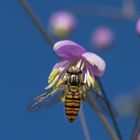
{"x":109,"y":28}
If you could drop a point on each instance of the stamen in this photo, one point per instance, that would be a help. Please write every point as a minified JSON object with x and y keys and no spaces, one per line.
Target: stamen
{"x":62,"y":68}
{"x":79,"y":63}
{"x":85,"y":78}
{"x":82,"y":66}
{"x":88,"y":78}
{"x":53,"y":74}
{"x":52,"y":83}
{"x":94,"y":83}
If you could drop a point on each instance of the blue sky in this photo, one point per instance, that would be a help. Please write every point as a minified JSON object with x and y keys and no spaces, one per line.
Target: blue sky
{"x":26,"y":61}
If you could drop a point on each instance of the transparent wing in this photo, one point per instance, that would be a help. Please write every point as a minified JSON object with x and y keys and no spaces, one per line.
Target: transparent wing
{"x":44,"y":101}
{"x":99,"y":104}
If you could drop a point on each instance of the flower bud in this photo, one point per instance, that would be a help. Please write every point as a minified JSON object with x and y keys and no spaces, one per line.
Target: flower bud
{"x":102,"y":38}
{"x":62,"y":23}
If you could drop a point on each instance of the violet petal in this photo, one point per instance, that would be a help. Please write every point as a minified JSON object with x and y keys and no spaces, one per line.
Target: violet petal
{"x":96,"y":63}
{"x":67,"y":49}
{"x":63,"y":63}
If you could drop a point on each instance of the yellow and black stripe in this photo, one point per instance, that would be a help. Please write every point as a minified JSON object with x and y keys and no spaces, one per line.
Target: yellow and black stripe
{"x":72,"y":105}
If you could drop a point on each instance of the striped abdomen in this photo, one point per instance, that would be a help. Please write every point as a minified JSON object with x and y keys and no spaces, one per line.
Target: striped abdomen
{"x":72,"y":105}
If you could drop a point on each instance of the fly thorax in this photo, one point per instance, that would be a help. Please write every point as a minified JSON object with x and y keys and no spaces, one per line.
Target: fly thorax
{"x":74,"y":80}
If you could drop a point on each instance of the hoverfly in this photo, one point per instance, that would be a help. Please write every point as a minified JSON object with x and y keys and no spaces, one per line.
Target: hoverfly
{"x":72,"y":92}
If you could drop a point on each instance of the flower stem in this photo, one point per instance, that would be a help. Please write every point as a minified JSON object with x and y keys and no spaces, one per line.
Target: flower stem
{"x":136,"y":128}
{"x":51,"y":43}
{"x":84,"y":125}
{"x":110,"y":111}
{"x":108,"y":127}
{"x":37,"y":22}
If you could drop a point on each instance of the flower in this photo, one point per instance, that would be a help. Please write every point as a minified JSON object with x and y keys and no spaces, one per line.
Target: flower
{"x":62,"y":23}
{"x":126,"y":105}
{"x":102,"y":38}
{"x":138,"y":26}
{"x":72,"y":53}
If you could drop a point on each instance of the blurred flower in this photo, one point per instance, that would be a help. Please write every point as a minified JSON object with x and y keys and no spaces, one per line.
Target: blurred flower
{"x":73,"y":54}
{"x":128,"y":9}
{"x":62,"y":23}
{"x":138,"y":138}
{"x":138,"y":26}
{"x":102,"y":38}
{"x":126,"y":105}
